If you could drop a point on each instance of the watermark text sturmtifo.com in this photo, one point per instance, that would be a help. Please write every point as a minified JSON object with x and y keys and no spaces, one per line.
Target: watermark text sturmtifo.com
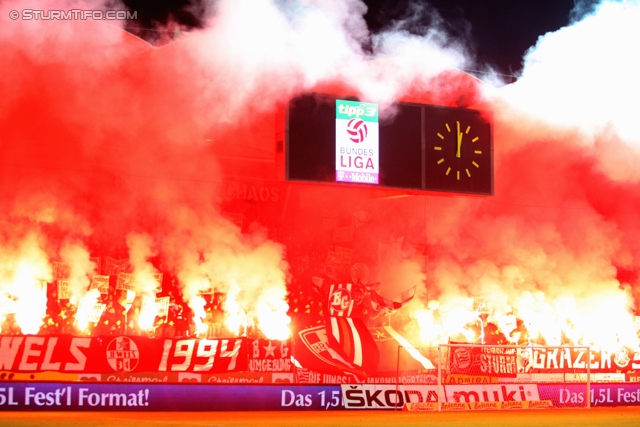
{"x":72,"y":14}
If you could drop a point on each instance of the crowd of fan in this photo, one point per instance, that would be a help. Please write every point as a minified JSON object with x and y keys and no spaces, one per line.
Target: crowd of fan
{"x":121,"y":318}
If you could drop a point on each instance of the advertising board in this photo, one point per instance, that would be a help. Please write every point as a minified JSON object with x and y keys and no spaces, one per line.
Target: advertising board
{"x":24,"y":396}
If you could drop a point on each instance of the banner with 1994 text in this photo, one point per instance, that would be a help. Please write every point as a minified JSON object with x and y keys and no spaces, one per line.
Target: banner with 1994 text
{"x":124,"y":354}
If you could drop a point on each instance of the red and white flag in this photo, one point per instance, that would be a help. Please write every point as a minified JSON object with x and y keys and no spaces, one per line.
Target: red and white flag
{"x":395,"y":303}
{"x":341,"y":300}
{"x":352,"y":340}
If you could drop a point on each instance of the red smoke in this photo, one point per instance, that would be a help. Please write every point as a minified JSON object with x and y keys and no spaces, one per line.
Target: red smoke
{"x":168,"y":157}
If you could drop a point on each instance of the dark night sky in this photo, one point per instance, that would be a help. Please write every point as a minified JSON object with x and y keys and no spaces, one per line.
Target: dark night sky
{"x":498,"y":32}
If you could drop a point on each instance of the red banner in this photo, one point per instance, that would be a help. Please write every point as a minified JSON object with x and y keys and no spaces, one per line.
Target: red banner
{"x":572,"y":360}
{"x":121,"y":354}
{"x":312,"y":349}
{"x":483,"y":360}
{"x":269,"y":356}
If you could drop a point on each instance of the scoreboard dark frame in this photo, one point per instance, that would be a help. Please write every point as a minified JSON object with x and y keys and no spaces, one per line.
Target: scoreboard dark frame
{"x":407,"y":156}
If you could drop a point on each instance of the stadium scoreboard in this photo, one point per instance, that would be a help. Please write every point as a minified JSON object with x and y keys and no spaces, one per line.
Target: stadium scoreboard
{"x":402,"y":146}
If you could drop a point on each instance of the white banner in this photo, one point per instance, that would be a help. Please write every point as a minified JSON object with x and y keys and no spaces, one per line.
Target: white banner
{"x":101,"y":283}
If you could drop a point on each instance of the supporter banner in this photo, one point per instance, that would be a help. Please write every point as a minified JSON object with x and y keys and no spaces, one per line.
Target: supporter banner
{"x":264,"y":193}
{"x":93,"y":312}
{"x":404,"y":379}
{"x":162,"y":306}
{"x":269,"y":356}
{"x":20,"y":396}
{"x":315,"y":352}
{"x":60,"y":271}
{"x":125,"y":282}
{"x":351,"y":339}
{"x":575,"y":395}
{"x":483,"y":360}
{"x":507,"y":362}
{"x":571,"y":359}
{"x":112,"y":267}
{"x":311,"y":348}
{"x":307,"y":376}
{"x":158,"y":278}
{"x":101,"y":283}
{"x":341,"y":300}
{"x":121,"y":354}
{"x":64,"y":289}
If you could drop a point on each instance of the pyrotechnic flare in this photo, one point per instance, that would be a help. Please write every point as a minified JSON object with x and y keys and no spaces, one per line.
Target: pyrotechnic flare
{"x":24,"y":272}
{"x":89,"y":310}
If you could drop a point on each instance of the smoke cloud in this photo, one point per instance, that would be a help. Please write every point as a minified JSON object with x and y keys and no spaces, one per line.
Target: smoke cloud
{"x":111,"y":147}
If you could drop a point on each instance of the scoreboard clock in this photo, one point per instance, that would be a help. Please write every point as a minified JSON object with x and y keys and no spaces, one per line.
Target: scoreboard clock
{"x":458,"y":155}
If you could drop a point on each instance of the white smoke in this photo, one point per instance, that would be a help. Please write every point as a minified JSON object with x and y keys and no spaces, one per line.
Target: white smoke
{"x":585,"y":77}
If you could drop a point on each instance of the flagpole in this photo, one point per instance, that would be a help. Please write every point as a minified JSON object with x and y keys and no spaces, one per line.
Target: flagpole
{"x":397,"y":375}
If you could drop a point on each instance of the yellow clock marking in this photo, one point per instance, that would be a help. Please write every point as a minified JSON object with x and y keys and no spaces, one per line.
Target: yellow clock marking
{"x":459,"y":140}
{"x":460,"y":131}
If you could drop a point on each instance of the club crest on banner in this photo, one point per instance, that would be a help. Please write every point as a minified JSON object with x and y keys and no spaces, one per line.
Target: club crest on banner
{"x":123,"y":354}
{"x":316,"y":340}
{"x":461,"y":359}
{"x":621,"y":357}
{"x":341,"y":300}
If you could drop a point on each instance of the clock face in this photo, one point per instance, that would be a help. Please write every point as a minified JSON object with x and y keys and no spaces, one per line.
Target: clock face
{"x":458,"y":152}
{"x":455,"y":138}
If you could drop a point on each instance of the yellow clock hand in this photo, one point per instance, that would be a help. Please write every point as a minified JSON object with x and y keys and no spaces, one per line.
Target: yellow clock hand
{"x":459,"y":140}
